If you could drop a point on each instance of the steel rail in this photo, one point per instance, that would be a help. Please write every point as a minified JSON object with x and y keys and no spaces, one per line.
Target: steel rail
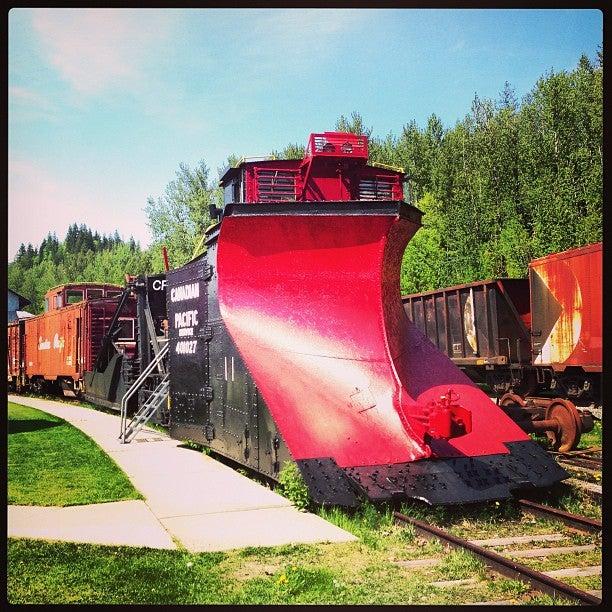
{"x":502,"y":565}
{"x":579,"y":462}
{"x":583,"y":523}
{"x":579,"y":452}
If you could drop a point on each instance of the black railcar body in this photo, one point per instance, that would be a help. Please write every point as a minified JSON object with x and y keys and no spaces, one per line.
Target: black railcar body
{"x":213,"y":399}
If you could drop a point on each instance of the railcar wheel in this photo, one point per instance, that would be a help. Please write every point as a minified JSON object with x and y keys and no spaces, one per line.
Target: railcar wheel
{"x":76,"y":389}
{"x":570,"y":425}
{"x":509,"y":399}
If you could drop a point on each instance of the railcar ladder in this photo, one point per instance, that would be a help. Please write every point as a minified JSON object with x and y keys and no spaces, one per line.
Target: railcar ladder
{"x":152,"y":404}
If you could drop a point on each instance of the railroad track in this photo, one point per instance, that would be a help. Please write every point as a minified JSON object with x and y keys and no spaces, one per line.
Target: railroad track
{"x":592,"y":452}
{"x":585,"y":467}
{"x":546,"y":582}
{"x":575,"y":521}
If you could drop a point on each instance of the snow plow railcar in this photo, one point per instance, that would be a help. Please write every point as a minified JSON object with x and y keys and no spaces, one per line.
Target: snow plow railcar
{"x":288,"y":340}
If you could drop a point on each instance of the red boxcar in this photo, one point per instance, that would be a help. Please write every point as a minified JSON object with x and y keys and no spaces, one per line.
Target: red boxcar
{"x":566,"y":307}
{"x":15,"y":353}
{"x":63,"y":342}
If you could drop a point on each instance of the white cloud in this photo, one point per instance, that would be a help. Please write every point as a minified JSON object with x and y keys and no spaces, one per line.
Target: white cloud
{"x":27,"y":104}
{"x":94,"y":49}
{"x":26,"y":96}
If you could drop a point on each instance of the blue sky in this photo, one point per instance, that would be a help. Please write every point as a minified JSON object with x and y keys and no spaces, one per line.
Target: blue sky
{"x":105,"y":103}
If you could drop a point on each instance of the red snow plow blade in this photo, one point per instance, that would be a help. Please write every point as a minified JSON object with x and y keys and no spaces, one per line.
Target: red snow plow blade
{"x":310,"y":294}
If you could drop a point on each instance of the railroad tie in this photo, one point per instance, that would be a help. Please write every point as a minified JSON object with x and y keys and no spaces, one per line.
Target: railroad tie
{"x":499,"y":602}
{"x":588,"y":487}
{"x":444,"y":584}
{"x":526,"y":539}
{"x":580,"y":469}
{"x":418,"y":563}
{"x":553,"y":550}
{"x":575,"y":572}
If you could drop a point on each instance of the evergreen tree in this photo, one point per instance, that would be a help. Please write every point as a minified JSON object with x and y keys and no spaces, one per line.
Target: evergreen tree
{"x":35,"y":271}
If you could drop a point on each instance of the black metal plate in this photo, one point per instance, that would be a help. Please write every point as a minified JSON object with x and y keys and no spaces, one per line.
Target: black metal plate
{"x":328,"y":483}
{"x":349,"y":207}
{"x":437,"y":481}
{"x":188,"y":354}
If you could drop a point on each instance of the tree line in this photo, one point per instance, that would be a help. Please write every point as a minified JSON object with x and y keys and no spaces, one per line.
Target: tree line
{"x":511,"y":181}
{"x":83,"y":256}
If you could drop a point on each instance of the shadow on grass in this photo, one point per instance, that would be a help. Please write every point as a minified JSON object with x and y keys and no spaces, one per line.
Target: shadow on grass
{"x":25,"y":425}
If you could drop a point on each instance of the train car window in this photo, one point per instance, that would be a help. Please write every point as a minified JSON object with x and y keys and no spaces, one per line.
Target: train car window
{"x":74,"y":295}
{"x":59,"y":302}
{"x":46,"y":304}
{"x":126,"y":329}
{"x":228,"y":193}
{"x":112,"y":293}
{"x":94,"y":293}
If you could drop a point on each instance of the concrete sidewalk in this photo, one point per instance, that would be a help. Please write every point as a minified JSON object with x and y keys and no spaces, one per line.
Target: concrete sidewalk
{"x":201,"y":503}
{"x":124,"y":523}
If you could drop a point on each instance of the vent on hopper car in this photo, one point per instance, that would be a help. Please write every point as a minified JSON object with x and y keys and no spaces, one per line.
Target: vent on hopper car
{"x":275,"y":185}
{"x":375,"y":189}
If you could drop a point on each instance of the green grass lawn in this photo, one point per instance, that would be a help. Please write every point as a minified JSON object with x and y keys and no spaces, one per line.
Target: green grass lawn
{"x":51,"y":463}
{"x":361,"y":572}
{"x":592,"y":438}
{"x":351,"y":573}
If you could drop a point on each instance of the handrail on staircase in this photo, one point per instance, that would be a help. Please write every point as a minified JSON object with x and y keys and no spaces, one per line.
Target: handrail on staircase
{"x":147,"y":410}
{"x":137,"y":384}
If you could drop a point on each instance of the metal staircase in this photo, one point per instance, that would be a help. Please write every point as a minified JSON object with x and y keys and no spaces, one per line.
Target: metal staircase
{"x":153,"y":403}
